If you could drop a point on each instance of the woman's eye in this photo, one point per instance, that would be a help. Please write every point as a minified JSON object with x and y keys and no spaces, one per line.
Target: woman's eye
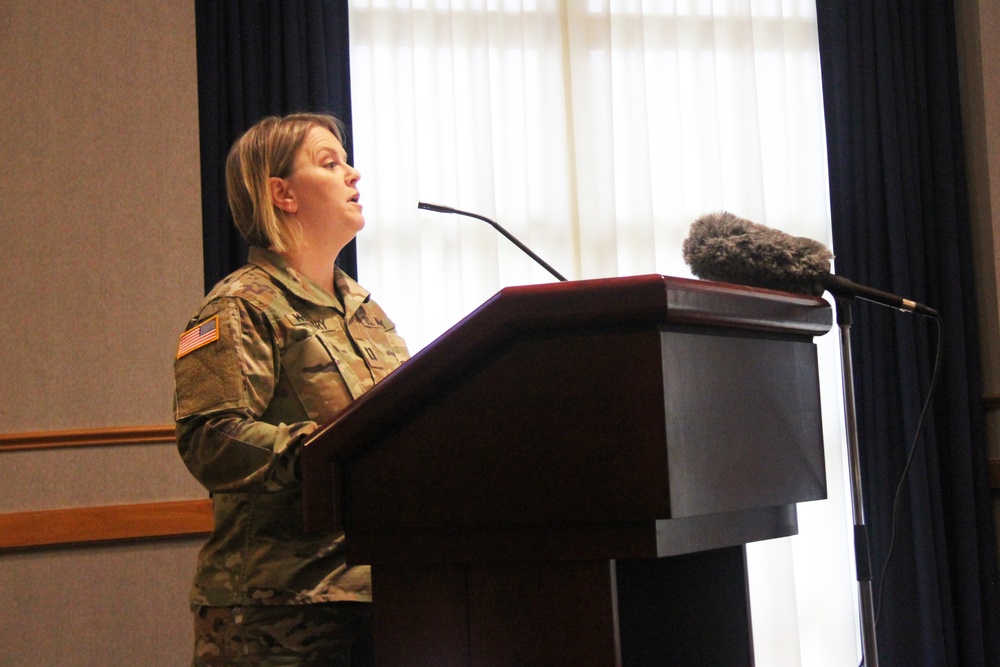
{"x":331,"y":165}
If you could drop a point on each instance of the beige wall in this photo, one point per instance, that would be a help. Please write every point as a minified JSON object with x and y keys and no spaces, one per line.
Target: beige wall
{"x":979,"y":63}
{"x":101,"y":264}
{"x":101,"y":207}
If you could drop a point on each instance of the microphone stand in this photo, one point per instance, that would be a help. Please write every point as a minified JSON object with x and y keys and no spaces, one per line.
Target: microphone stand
{"x":862,"y":556}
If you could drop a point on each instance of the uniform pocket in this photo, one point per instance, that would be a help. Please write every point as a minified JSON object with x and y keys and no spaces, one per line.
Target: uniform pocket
{"x":319,"y":377}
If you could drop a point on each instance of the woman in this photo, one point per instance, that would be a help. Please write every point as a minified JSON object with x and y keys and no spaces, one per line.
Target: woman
{"x":277,"y":348}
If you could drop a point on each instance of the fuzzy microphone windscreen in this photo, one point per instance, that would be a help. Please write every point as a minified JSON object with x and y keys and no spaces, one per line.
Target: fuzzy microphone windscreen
{"x":726,"y":248}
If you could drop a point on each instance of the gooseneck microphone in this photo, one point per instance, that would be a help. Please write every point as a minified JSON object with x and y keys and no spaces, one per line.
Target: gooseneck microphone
{"x":724,"y":247}
{"x":510,"y":237}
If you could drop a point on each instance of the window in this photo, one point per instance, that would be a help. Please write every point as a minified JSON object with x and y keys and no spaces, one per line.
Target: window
{"x":596,"y":131}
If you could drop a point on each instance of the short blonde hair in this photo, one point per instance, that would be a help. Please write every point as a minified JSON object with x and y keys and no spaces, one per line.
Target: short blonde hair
{"x":268,"y":149}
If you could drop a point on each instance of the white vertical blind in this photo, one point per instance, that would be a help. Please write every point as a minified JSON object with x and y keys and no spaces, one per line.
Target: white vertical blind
{"x":596,"y":131}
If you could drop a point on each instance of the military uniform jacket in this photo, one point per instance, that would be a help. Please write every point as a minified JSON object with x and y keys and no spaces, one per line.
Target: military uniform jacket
{"x":268,"y":357}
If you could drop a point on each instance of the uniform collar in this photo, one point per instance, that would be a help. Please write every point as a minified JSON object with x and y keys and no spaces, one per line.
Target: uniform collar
{"x":305,"y":288}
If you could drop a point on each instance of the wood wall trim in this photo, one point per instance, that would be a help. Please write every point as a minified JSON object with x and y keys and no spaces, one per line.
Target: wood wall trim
{"x":98,"y":437}
{"x":991,"y":402}
{"x":111,"y":523}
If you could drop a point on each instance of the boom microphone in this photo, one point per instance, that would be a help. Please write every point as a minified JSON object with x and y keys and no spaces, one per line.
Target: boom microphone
{"x":727,"y":248}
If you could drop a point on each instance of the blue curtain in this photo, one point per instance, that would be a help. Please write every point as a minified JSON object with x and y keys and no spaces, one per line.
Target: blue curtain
{"x":258,"y":58}
{"x":900,"y":223}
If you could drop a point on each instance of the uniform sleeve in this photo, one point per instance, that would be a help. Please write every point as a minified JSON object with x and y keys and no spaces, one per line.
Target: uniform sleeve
{"x":224,"y":378}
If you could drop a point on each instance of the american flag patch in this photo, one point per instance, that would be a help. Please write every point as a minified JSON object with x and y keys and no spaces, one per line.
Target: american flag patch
{"x":201,"y":335}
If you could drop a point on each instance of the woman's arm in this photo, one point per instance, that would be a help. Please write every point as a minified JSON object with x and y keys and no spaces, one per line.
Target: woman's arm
{"x":222,"y":388}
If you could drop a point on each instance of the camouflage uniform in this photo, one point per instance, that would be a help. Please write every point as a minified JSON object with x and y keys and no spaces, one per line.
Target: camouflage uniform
{"x":302,"y":635}
{"x":268,"y":357}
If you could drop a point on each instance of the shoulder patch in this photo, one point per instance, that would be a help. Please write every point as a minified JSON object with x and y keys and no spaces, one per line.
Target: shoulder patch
{"x":199,"y":336}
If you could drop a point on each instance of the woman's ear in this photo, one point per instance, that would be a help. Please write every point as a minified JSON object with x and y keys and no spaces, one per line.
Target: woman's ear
{"x":281,"y":194}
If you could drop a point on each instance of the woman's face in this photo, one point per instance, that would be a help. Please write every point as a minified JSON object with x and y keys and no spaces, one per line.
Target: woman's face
{"x":323,"y":187}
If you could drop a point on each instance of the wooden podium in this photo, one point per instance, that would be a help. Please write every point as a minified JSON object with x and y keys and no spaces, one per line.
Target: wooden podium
{"x":568,"y":476}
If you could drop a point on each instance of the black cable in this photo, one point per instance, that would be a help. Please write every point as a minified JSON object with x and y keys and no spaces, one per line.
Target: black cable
{"x":906,"y":468}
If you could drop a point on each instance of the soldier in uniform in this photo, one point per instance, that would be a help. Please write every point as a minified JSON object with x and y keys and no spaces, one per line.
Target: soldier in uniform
{"x":276,"y":349}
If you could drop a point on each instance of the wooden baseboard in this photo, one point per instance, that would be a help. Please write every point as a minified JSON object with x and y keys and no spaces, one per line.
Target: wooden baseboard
{"x":112,"y":523}
{"x":98,"y":437}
